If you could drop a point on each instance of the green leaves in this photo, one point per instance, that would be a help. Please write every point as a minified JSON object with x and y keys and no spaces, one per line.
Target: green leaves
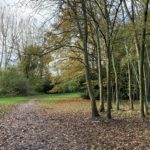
{"x":128,"y":59}
{"x":13,"y":82}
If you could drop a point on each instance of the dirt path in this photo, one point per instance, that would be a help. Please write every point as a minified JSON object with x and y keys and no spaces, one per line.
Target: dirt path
{"x":31,"y":127}
{"x":26,"y":128}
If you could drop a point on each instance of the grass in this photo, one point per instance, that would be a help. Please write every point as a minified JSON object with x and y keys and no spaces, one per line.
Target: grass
{"x":7,"y":104}
{"x":70,"y":102}
{"x":12,"y":100}
{"x":57,"y":97}
{"x":63,"y":102}
{"x":71,"y":113}
{"x":48,"y":97}
{"x":73,"y":103}
{"x":67,"y":105}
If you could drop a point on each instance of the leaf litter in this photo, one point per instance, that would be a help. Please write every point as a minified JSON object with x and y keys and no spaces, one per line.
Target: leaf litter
{"x":34,"y":127}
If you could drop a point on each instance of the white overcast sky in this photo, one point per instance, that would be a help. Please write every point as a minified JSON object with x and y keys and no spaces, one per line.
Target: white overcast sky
{"x":26,"y":8}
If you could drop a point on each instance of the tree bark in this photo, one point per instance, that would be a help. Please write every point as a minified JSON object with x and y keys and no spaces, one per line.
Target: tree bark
{"x":141,"y":67}
{"x":108,"y":84}
{"x":116,"y":84}
{"x":146,"y":93}
{"x":102,"y":107}
{"x":129,"y":87}
{"x":86,"y":61}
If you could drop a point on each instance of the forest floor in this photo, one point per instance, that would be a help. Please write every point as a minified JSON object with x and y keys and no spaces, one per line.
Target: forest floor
{"x":66,"y":125}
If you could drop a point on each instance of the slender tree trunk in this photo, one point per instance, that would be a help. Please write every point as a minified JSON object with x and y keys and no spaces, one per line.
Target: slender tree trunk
{"x":141,"y":88}
{"x":141,"y":67}
{"x":108,"y":57}
{"x":129,"y":66}
{"x":148,"y":73}
{"x":89,"y":86}
{"x":6,"y":53}
{"x":146,"y":93}
{"x":140,"y":50}
{"x":116,"y":84}
{"x":109,"y":107}
{"x":86,"y":61}
{"x":83,"y":32}
{"x":2,"y":53}
{"x":102,"y":107}
{"x":129,"y":87}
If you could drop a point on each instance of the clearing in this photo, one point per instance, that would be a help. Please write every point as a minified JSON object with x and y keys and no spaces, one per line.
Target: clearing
{"x":64,"y":123}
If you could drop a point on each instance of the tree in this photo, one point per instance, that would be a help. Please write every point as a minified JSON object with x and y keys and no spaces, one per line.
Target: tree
{"x":140,"y":46}
{"x":35,"y":66}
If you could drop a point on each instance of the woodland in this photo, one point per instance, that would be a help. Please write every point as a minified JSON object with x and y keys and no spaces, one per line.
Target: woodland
{"x":78,"y":68}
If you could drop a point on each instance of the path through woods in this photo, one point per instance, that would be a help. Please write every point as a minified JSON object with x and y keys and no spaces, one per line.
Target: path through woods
{"x":33,"y":127}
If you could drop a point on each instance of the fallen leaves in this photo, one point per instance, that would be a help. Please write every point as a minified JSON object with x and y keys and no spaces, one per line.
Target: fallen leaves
{"x":31,"y":126}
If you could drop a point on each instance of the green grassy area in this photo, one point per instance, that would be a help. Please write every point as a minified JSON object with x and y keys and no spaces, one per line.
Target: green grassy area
{"x":65,"y":102}
{"x":56,"y":97}
{"x":7,"y":104}
{"x":12,"y":100}
{"x":46,"y":97}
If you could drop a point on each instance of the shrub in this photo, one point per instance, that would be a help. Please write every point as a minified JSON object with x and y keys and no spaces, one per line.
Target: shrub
{"x":68,"y":87}
{"x":41,"y":85}
{"x":12,"y":82}
{"x":85,"y":94}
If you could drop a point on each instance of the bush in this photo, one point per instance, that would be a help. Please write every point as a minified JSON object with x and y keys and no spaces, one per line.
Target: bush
{"x":62,"y":87}
{"x":12,"y":82}
{"x":41,"y":85}
{"x":85,"y":94}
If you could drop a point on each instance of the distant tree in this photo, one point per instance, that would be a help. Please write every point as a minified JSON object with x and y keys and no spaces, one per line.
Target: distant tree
{"x":35,"y":66}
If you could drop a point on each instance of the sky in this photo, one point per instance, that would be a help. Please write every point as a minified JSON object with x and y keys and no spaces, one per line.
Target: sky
{"x":41,"y":11}
{"x":39,"y":14}
{"x":16,"y":6}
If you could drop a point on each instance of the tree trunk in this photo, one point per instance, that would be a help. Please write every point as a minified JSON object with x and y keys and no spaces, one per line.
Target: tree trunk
{"x":86,"y":61}
{"x":89,"y":87}
{"x":108,"y":56}
{"x":141,"y":88}
{"x":146,"y":93}
{"x":108,"y":86}
{"x":116,"y":84}
{"x":140,"y":50}
{"x":129,"y":87}
{"x":141,"y":69}
{"x":102,"y":107}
